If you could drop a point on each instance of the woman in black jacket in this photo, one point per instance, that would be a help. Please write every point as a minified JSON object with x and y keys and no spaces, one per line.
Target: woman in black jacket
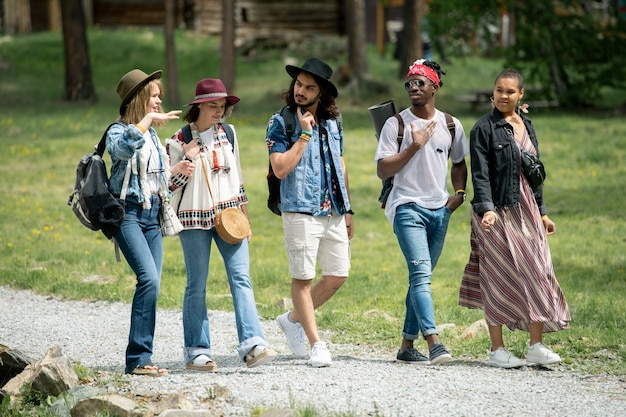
{"x":509,"y":273}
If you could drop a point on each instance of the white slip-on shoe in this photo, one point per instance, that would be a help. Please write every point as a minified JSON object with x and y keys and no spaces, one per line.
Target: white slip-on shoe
{"x":539,"y":354}
{"x":294,"y":334}
{"x":502,"y":358}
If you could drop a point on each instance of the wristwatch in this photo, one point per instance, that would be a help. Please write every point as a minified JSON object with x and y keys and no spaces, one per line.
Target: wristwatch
{"x":461,"y":193}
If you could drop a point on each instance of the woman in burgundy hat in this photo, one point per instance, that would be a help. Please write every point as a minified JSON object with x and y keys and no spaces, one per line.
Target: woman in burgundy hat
{"x":213,"y":182}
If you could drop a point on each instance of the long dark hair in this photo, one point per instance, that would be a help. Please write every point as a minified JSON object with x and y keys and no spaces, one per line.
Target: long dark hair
{"x":326,"y":109}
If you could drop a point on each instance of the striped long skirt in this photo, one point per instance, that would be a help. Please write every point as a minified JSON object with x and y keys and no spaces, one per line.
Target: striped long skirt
{"x":509,"y":273}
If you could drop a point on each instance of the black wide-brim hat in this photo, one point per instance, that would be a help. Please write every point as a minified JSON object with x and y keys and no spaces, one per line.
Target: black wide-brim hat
{"x":318,"y":69}
{"x":131,"y":82}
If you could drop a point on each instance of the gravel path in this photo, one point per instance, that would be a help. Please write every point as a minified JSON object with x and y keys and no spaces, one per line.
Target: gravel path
{"x":360,"y":382}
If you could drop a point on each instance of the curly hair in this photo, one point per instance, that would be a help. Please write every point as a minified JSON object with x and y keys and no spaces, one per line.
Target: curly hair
{"x":437,"y":68}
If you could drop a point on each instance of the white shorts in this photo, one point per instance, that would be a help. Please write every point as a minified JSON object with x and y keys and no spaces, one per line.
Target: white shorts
{"x":309,"y":238}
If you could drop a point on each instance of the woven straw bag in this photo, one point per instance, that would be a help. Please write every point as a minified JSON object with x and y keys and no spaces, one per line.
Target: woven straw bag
{"x":232,"y":225}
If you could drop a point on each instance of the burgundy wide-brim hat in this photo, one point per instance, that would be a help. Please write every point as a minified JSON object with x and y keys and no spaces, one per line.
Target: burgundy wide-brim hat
{"x":131,"y":82}
{"x":320,"y":70}
{"x":211,"y":89}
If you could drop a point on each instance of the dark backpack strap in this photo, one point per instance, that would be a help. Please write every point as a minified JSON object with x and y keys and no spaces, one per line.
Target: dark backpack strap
{"x":451,"y":128}
{"x":187,"y":137}
{"x":187,"y":133}
{"x":290,"y":122}
{"x":229,"y":134}
{"x":400,"y":129}
{"x":388,"y":182}
{"x":339,"y":121}
{"x":101,"y":146}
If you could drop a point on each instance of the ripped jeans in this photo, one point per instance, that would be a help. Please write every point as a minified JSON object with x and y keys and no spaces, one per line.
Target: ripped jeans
{"x":421,"y":233}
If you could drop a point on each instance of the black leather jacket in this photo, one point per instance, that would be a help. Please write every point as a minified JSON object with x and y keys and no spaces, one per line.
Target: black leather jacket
{"x":495,"y":162}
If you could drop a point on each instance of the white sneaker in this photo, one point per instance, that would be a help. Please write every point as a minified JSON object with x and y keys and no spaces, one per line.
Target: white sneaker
{"x":294,"y":334}
{"x":502,"y":358}
{"x":320,"y":356}
{"x":541,"y":355}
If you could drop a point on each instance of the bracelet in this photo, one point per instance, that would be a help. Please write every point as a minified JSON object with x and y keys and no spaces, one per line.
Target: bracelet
{"x":460,"y":191}
{"x":307,"y":132}
{"x":305,"y":137}
{"x":140,"y":127}
{"x":188,"y":159}
{"x":350,"y":212}
{"x":492,"y":212}
{"x":545,"y":216}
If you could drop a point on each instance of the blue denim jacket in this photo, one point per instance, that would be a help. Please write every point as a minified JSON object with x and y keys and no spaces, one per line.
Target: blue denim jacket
{"x":300,"y":190}
{"x":123,"y":143}
{"x":495,"y":161}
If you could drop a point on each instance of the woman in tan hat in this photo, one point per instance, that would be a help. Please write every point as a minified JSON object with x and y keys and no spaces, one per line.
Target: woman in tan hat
{"x":210,"y":148}
{"x":140,"y":173}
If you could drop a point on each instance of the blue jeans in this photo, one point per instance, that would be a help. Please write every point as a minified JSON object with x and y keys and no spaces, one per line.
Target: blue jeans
{"x":197,"y":251}
{"x":140,"y":240}
{"x":421,"y":233}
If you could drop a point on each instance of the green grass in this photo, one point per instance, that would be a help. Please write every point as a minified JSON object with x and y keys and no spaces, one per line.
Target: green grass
{"x":44,"y":248}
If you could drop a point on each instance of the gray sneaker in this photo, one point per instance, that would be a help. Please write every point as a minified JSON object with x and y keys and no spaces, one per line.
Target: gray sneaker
{"x":294,"y":334}
{"x":439,"y":354}
{"x":412,"y":356}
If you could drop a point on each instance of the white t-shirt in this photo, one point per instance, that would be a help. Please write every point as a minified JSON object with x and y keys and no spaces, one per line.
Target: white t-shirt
{"x":423,"y":180}
{"x":154,"y":168}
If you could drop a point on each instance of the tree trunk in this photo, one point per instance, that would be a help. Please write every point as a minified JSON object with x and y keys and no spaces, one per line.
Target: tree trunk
{"x":173,"y":97}
{"x":410,"y":45}
{"x":227,"y":63}
{"x":356,"y":43}
{"x":78,"y":79}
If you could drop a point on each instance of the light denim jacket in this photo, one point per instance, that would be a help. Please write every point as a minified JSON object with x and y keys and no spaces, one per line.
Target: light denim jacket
{"x":123,"y":143}
{"x":300,"y":190}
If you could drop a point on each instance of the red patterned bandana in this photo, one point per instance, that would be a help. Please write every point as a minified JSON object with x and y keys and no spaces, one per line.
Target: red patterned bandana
{"x":419,"y":69}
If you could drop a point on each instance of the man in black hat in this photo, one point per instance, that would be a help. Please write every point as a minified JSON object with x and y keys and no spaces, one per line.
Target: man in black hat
{"x":314,"y":200}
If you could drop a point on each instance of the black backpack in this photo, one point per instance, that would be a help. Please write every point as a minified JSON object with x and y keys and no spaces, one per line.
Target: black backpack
{"x":388,"y":182}
{"x":273,"y":182}
{"x":94,"y":206}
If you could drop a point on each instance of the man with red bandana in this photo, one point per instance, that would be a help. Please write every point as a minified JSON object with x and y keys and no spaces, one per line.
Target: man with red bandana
{"x":419,"y":205}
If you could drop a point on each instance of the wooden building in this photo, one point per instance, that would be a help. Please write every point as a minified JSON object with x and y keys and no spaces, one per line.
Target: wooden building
{"x":273,"y":21}
{"x":263,"y":19}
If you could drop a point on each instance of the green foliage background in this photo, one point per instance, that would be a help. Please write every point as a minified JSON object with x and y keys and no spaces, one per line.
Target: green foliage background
{"x":568,"y":50}
{"x":44,"y":248}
